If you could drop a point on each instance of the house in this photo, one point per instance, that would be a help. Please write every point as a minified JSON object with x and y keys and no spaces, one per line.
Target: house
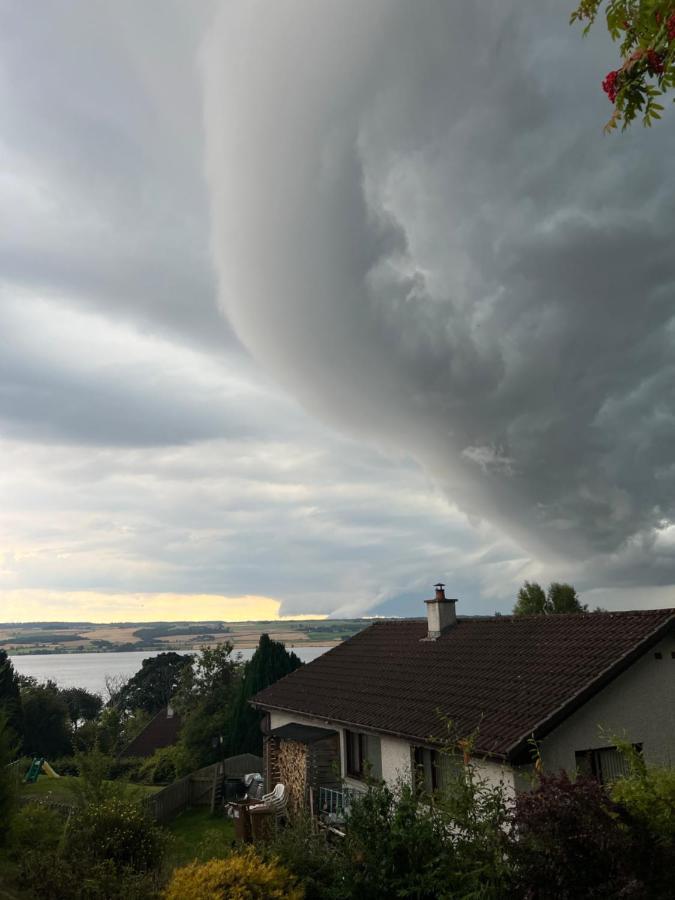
{"x":379,"y":702}
{"x":161,"y":731}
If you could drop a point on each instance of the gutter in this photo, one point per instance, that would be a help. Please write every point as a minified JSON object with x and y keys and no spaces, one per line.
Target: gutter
{"x":421,"y":742}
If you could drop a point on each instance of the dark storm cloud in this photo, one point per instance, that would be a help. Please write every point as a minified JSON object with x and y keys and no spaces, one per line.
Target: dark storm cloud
{"x":456,"y":261}
{"x":104,"y":197}
{"x":141,"y":448}
{"x":419,"y":230}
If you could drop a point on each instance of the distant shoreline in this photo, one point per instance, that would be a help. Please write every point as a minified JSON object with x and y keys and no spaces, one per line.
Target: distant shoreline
{"x":38,"y":651}
{"x":74,"y":638}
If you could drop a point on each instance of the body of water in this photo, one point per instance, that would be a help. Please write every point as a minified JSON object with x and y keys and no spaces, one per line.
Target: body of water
{"x":89,"y":670}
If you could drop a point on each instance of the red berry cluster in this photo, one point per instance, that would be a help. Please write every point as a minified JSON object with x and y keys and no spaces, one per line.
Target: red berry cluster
{"x":670,"y":25}
{"x":655,"y":64}
{"x":610,"y":85}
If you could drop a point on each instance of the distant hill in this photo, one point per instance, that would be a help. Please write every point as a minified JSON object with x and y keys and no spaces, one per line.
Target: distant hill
{"x":88,"y":637}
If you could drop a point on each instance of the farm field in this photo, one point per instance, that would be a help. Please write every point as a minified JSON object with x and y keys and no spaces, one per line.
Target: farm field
{"x":86,"y":637}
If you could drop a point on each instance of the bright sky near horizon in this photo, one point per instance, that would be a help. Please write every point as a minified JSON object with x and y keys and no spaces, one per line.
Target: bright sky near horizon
{"x":90,"y":606}
{"x":305,"y":306}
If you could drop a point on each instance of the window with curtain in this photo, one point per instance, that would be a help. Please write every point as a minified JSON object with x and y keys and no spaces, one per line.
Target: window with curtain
{"x":606,"y":763}
{"x":364,"y":755}
{"x":434,"y":770}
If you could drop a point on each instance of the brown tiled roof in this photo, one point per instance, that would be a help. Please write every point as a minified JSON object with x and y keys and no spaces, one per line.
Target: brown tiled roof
{"x":161,"y":731}
{"x":508,"y":677}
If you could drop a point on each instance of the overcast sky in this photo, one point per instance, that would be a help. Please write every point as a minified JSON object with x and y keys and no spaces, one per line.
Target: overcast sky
{"x":306,"y":305}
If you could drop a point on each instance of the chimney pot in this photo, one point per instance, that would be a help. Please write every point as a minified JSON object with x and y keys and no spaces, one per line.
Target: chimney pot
{"x":441,"y":614}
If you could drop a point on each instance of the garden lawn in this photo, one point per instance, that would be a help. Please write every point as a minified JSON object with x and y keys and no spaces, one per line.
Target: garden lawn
{"x":197,"y":834}
{"x":60,"y":789}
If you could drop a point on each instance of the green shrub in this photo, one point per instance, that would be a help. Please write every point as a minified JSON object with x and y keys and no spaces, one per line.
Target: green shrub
{"x":127,"y":768}
{"x":315,"y":861}
{"x":401,"y":843}
{"x":166,"y":765}
{"x":8,"y":778}
{"x":65,"y":765}
{"x":646,"y":799}
{"x":105,"y":851}
{"x":35,"y":837}
{"x":35,"y":827}
{"x":648,"y":795}
{"x":243,"y":875}
{"x":93,"y":785}
{"x":115,"y":830}
{"x":54,"y":877}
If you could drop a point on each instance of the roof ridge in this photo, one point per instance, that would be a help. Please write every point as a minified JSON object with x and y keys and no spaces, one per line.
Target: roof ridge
{"x":530,"y":617}
{"x":505,"y":675}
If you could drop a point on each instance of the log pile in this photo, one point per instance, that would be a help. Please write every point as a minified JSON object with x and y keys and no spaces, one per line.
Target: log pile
{"x":292,"y":762}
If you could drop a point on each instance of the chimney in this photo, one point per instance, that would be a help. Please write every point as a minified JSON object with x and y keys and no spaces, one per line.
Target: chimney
{"x":441,"y":613}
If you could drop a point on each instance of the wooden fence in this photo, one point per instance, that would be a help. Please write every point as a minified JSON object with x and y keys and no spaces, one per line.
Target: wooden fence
{"x":200,"y":788}
{"x":18,"y":768}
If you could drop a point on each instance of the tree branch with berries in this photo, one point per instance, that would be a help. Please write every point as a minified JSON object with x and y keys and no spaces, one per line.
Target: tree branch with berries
{"x":646,"y":31}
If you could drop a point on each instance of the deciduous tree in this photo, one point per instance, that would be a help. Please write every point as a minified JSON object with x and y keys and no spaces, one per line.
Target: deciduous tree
{"x":8,"y":748}
{"x":10,"y":695}
{"x":560,"y":598}
{"x":531,"y":600}
{"x":646,"y":32}
{"x":154,"y":684}
{"x":83,"y":705}
{"x":204,"y":700}
{"x":46,"y":723}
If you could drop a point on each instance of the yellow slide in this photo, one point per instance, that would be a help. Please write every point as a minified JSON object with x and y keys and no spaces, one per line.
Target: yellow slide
{"x":47,"y":769}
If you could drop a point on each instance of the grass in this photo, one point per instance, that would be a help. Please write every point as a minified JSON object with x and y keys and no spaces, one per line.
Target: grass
{"x":197,"y":834}
{"x":60,"y":790}
{"x":8,"y":888}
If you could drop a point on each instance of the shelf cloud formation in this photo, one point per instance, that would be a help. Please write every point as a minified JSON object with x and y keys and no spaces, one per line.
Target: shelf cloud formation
{"x":422,"y":232}
{"x":318,"y":301}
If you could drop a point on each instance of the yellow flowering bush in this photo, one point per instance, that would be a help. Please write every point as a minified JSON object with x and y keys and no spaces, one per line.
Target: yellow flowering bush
{"x":116,"y":830}
{"x":242,"y":876}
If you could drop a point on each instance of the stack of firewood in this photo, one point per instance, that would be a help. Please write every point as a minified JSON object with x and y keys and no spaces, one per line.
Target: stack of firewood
{"x":292,"y":762}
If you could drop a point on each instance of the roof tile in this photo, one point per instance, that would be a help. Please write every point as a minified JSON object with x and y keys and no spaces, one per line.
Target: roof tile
{"x":501,"y":676}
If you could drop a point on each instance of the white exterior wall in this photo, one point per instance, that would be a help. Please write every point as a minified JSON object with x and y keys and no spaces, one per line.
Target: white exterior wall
{"x":639,"y":706}
{"x":396,"y":755}
{"x":396,"y":760}
{"x":495,"y":774}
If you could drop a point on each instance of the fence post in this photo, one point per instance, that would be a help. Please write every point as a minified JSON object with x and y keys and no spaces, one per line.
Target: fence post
{"x":214,"y":787}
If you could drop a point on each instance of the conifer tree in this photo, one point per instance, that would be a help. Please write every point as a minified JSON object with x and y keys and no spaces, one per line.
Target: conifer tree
{"x":270,"y":662}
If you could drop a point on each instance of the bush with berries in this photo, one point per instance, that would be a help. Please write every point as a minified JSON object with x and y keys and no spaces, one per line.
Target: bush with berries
{"x":646,"y":31}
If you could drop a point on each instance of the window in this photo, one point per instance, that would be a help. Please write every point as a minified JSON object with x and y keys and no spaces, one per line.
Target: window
{"x":426,"y":769}
{"x":433,"y":770}
{"x":364,"y":755}
{"x":355,"y":753}
{"x":606,"y":764}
